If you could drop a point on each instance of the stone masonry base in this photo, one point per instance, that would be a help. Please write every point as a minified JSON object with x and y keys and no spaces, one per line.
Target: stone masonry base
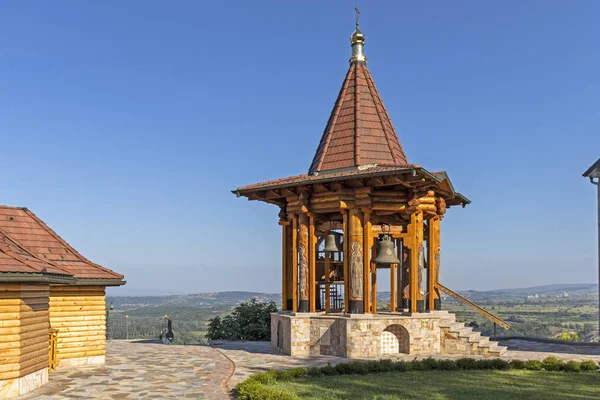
{"x":74,"y":362}
{"x":373,"y":336}
{"x":25,"y":384}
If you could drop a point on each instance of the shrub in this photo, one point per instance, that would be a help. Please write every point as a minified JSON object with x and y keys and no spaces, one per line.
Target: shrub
{"x":466,"y":363}
{"x":552,"y":364}
{"x":588,"y":365}
{"x":517,"y":364}
{"x":329,"y":370}
{"x":254,"y":390}
{"x":572,"y":366}
{"x":287,"y":375}
{"x":313,"y":372}
{"x":250,"y":320}
{"x":533,"y":365}
{"x":446,"y":365}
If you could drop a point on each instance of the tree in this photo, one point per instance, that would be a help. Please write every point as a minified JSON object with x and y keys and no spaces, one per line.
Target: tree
{"x":248,"y":321}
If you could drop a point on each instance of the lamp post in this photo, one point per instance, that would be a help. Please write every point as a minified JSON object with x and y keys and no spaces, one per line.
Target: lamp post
{"x":127,"y":327}
{"x":594,"y":174}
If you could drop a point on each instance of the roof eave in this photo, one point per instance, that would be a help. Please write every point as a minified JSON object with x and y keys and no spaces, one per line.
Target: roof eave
{"x":593,"y":171}
{"x":99,"y":282}
{"x":24,"y":277}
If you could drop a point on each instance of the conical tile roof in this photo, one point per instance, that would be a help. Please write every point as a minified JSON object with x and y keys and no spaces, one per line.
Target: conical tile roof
{"x":359,"y":131}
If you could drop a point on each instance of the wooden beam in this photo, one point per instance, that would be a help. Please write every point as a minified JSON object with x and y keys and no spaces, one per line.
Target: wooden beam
{"x":295,"y":263}
{"x":392,"y":287}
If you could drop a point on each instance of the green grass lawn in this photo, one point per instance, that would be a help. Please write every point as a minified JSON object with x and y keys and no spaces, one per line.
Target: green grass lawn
{"x":438,"y":385}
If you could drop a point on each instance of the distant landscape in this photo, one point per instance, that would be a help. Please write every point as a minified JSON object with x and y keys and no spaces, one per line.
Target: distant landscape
{"x":570,"y":310}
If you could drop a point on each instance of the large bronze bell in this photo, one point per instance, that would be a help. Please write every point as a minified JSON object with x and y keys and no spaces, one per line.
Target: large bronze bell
{"x":331,"y":243}
{"x":386,"y":253}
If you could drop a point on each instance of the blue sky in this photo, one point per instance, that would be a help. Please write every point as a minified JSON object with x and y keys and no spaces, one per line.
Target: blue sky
{"x":125,"y":125}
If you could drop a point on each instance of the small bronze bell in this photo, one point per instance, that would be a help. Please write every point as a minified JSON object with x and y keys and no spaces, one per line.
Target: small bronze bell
{"x":386,"y":253}
{"x":331,"y":243}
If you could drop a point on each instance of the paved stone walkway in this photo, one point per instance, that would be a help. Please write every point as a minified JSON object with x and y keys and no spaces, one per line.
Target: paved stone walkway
{"x":149,"y":371}
{"x":144,"y":371}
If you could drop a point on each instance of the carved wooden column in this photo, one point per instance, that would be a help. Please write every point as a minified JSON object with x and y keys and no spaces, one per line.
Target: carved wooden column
{"x":367,"y":262}
{"x":404,"y":274}
{"x":294,"y":259}
{"x":284,"y":266}
{"x":303,"y":261}
{"x":433,"y":263}
{"x":289,"y":253}
{"x":417,"y":259}
{"x":356,"y":263}
{"x":312,"y":264}
{"x":345,"y":251}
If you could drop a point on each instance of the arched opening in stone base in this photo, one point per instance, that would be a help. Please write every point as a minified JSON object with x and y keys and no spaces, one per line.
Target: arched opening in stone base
{"x":395,"y":340}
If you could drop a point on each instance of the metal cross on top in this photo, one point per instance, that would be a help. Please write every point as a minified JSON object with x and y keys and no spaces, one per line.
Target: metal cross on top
{"x":357,"y":14}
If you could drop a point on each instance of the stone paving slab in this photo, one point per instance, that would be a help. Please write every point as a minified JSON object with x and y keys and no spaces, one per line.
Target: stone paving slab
{"x":157,"y":371}
{"x":143,"y":371}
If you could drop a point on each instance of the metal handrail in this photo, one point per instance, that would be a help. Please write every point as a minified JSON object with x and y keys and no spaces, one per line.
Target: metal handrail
{"x":477,"y":308}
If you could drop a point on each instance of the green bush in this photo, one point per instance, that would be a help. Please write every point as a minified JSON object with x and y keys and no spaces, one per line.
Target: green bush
{"x":250,"y":320}
{"x":261,"y":386}
{"x":466,"y":363}
{"x":588,"y":365}
{"x":289,"y":374}
{"x":552,"y":364}
{"x":572,"y":366}
{"x":254,"y":390}
{"x":533,"y":365}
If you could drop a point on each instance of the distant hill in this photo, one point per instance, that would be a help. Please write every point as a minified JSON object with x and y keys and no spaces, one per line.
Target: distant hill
{"x":200,"y":300}
{"x":230,"y":299}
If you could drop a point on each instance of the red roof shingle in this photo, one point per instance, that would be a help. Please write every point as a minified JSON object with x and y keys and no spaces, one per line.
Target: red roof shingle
{"x":359,"y":131}
{"x":23,"y":230}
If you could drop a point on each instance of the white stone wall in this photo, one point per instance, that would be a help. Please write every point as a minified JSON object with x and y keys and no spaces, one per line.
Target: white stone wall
{"x":357,"y":336}
{"x":25,"y":384}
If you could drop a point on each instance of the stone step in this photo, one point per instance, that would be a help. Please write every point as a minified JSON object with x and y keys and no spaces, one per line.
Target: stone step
{"x":483,"y":341}
{"x":454,"y":326}
{"x":474,"y":337}
{"x":463,"y":332}
{"x":497,"y":350}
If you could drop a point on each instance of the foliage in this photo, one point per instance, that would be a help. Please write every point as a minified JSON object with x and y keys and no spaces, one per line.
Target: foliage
{"x":263,"y":385}
{"x":250,"y":320}
{"x":572,"y":337}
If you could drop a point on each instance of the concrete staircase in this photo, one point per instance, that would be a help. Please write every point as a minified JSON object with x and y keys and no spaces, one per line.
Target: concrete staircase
{"x":460,"y":339}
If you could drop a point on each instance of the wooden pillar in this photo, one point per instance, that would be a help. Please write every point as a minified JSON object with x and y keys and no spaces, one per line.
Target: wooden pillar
{"x":373,"y":268}
{"x":404,"y":277}
{"x":345,"y":255}
{"x":367,"y":262}
{"x":416,"y":226}
{"x":290,"y":253}
{"x":294,"y":258}
{"x":327,"y":279}
{"x":303,"y":257}
{"x":433,"y":263}
{"x":356,"y":263}
{"x":398,"y":244}
{"x":312,"y":264}
{"x":284,"y":267}
{"x":392,"y":287}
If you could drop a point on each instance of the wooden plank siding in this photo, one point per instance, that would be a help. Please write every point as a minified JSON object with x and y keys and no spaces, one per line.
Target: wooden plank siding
{"x":79,"y":313}
{"x":24,"y":324}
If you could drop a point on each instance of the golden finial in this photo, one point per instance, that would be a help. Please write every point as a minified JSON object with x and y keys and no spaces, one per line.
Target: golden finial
{"x":358,"y":41}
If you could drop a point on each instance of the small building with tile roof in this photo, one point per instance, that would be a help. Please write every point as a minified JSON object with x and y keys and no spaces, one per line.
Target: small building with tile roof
{"x":361,"y":207}
{"x":48,"y":292}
